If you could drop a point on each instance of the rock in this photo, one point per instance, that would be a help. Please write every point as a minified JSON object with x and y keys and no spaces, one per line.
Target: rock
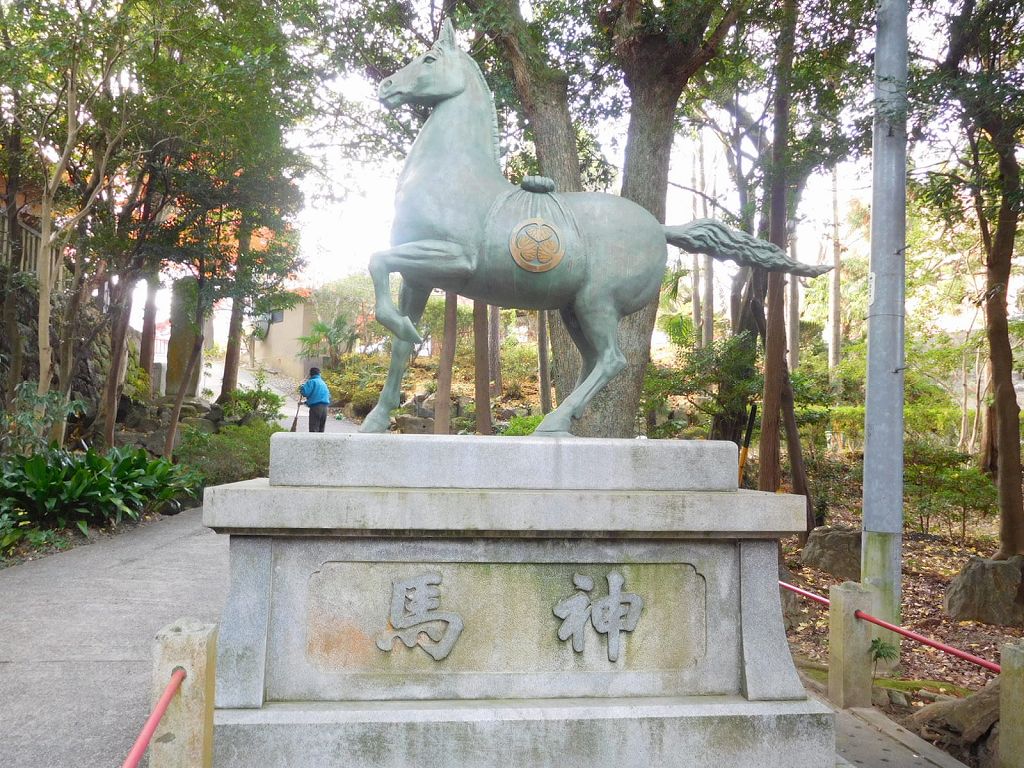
{"x":154,"y":442}
{"x":991,"y":591}
{"x":505,"y":414}
{"x":898,"y":699}
{"x":835,"y":551}
{"x":966,"y":728}
{"x":187,"y":412}
{"x":197,"y":403}
{"x":127,"y":437}
{"x":420,"y":406}
{"x":216,"y":413}
{"x":792,"y":604}
{"x":142,"y":419}
{"x":203,"y":425}
{"x":414,"y":425}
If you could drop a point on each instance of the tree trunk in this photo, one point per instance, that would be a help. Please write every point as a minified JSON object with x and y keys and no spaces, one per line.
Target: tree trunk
{"x":695,"y":301}
{"x":193,"y":361}
{"x":11,"y":288}
{"x":45,"y":269}
{"x":480,"y":359}
{"x":233,"y":351}
{"x":707,"y":323}
{"x":835,"y":337}
{"x":793,"y":315}
{"x":443,"y":398}
{"x":1007,"y":411}
{"x":66,"y":353}
{"x":120,"y":308}
{"x":494,"y":349}
{"x":544,"y":369}
{"x":775,"y":339}
{"x":147,"y":346}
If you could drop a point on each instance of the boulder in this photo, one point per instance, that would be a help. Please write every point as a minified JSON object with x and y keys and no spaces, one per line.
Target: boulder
{"x":203,"y":425}
{"x":991,"y":591}
{"x":187,"y":411}
{"x":154,"y":442}
{"x":128,"y":437}
{"x":835,"y":551}
{"x":966,"y":728}
{"x":197,"y":403}
{"x":216,"y":413}
{"x":141,"y":418}
{"x":793,"y":606}
{"x":414,"y":425}
{"x":421,"y":408}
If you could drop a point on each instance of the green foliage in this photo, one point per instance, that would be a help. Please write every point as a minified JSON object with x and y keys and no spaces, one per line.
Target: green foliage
{"x":235,"y":453}
{"x":137,"y":384}
{"x":945,"y":484}
{"x":55,"y":488}
{"x":331,"y":340}
{"x":518,"y":366}
{"x":260,"y":401}
{"x":702,"y":374}
{"x":519,"y":426}
{"x":363,"y":400}
{"x":25,"y":425}
{"x":355,"y":375}
{"x":882,"y":650}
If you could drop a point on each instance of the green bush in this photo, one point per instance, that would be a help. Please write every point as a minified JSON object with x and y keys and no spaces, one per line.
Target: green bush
{"x":235,"y":453}
{"x":261,"y":402}
{"x":57,"y":488}
{"x":518,"y":366}
{"x":519,"y":426}
{"x":944,"y":484}
{"x":356,"y":373}
{"x":363,"y":400}
{"x":25,"y":424}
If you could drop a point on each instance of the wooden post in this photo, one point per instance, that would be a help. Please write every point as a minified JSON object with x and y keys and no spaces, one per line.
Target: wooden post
{"x":483,"y":384}
{"x":443,"y":399}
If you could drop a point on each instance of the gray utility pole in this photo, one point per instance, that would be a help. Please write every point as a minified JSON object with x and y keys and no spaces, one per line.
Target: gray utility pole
{"x":883,"y":423}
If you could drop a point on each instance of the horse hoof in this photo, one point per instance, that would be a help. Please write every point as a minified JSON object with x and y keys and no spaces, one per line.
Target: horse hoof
{"x":374,"y":423}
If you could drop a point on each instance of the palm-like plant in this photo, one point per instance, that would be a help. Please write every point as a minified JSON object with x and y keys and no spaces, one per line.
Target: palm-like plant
{"x":332,"y":339}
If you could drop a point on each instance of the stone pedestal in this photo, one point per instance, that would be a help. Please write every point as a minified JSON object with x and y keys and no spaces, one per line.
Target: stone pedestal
{"x":402,"y":600}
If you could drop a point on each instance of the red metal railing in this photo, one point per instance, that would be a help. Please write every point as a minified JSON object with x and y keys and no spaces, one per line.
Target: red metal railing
{"x":142,"y":742}
{"x":989,"y":665}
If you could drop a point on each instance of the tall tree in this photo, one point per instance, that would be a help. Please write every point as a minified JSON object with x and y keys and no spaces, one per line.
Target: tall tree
{"x":979,"y":78}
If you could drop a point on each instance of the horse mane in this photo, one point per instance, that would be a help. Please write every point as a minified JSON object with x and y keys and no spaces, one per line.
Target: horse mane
{"x":475,"y":68}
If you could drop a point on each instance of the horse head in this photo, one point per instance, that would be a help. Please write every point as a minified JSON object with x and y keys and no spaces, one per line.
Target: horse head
{"x":429,"y":79}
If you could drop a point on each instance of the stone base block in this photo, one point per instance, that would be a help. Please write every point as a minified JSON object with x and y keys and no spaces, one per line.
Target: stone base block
{"x":696,"y":732}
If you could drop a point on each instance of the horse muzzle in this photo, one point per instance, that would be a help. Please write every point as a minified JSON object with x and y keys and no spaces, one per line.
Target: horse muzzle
{"x":390,"y":95}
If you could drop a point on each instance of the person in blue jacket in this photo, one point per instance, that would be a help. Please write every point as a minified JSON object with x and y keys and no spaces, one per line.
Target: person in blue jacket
{"x":318,"y":397}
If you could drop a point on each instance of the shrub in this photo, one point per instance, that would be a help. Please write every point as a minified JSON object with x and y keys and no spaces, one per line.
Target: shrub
{"x":57,"y":488}
{"x":25,"y":424}
{"x":518,"y":366}
{"x":364,"y":400}
{"x":355,"y":373}
{"x":260,"y":401}
{"x":519,"y":426}
{"x":235,"y":453}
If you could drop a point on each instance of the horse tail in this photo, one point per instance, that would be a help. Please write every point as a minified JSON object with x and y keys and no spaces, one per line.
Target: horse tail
{"x":725,"y":243}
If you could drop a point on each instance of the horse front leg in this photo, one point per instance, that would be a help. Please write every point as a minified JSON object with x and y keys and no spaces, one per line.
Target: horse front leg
{"x":423,"y":262}
{"x":412,"y":301}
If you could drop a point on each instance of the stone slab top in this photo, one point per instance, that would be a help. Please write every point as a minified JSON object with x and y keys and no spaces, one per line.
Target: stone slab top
{"x":514,"y":463}
{"x":255,"y":507}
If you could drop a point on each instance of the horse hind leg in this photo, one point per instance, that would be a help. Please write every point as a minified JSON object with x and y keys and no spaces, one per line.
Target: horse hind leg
{"x":588,"y":355}
{"x":600,"y":327}
{"x":412,"y":301}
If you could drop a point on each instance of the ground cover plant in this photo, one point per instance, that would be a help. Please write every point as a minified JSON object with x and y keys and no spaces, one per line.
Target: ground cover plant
{"x":56,"y":489}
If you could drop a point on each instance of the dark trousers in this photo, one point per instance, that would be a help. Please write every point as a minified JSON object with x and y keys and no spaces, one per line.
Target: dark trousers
{"x":317,"y":417}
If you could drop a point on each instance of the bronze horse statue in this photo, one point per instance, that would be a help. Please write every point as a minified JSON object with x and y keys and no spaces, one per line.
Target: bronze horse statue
{"x":461,"y":226}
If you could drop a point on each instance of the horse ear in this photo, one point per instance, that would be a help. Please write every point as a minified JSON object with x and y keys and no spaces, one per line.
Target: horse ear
{"x":447,"y":36}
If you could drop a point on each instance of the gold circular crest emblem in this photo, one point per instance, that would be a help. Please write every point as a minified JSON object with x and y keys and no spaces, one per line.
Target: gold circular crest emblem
{"x":536,"y":245}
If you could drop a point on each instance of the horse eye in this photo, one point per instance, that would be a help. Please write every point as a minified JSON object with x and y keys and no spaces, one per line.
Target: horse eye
{"x":428,"y":59}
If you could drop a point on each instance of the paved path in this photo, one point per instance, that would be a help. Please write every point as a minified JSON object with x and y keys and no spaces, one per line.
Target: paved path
{"x":75,"y":643}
